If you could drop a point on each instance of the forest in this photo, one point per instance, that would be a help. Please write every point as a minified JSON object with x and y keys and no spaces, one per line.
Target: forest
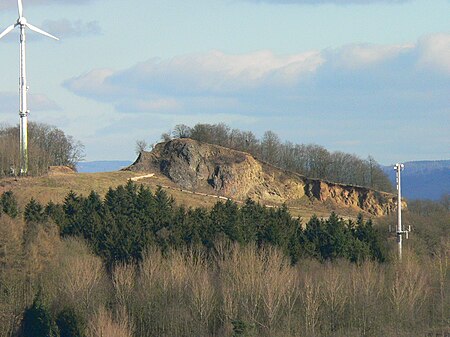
{"x":133,"y":263}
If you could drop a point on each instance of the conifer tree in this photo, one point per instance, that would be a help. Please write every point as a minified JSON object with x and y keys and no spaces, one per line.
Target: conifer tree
{"x":37,"y":320}
{"x":9,"y":204}
{"x":70,"y":324}
{"x":34,"y":212}
{"x":73,"y":217}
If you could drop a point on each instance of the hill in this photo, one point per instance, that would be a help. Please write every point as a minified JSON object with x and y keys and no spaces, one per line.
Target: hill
{"x":423,"y":179}
{"x":214,"y":170}
{"x":198,"y":175}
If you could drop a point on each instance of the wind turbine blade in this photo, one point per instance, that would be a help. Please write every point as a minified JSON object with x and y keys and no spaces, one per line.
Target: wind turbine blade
{"x":20,"y":7}
{"x":40,"y":31}
{"x":7,"y":30}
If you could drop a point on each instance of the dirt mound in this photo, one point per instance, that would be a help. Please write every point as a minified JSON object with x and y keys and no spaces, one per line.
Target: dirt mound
{"x":221,"y":171}
{"x":52,"y":170}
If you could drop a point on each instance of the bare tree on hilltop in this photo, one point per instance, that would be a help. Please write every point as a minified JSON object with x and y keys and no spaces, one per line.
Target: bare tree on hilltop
{"x":48,"y":146}
{"x":310,"y":160}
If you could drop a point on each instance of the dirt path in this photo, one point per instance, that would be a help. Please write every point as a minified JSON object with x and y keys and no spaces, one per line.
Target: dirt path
{"x":142,"y":177}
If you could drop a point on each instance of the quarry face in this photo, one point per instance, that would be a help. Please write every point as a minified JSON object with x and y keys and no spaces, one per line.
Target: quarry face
{"x":197,"y":166}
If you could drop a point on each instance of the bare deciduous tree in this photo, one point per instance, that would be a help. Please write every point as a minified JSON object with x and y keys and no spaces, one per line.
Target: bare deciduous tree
{"x":141,"y":146}
{"x":47,"y":146}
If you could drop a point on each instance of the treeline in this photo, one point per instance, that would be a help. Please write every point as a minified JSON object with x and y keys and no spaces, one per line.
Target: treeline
{"x":131,"y":218}
{"x":47,"y":146}
{"x":310,"y":160}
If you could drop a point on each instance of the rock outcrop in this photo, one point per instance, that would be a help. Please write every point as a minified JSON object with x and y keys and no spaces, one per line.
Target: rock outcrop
{"x":197,"y":166}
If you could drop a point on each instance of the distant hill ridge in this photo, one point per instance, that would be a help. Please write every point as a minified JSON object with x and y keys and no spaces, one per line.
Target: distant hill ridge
{"x":214,"y":169}
{"x":425,"y":179}
{"x":101,"y":166}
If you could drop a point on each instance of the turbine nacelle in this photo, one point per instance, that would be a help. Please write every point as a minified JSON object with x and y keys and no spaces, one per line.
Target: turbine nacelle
{"x":22,"y":21}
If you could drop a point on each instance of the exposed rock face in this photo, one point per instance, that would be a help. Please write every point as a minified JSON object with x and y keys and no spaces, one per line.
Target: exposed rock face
{"x":197,"y":166}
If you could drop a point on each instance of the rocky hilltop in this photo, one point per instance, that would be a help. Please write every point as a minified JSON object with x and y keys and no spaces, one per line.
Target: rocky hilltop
{"x":213,"y":169}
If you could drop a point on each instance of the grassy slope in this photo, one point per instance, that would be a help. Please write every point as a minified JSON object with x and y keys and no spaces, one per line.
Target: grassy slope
{"x":56,"y":186}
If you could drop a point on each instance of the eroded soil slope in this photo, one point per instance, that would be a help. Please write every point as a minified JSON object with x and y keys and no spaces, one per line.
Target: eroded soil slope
{"x":213,"y":169}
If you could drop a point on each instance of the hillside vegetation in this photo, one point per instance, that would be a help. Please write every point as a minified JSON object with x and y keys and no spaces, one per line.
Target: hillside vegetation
{"x":135,"y":264}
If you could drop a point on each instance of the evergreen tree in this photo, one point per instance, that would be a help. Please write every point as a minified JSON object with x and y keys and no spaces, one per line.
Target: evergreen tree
{"x":73,"y":217}
{"x":34,"y":212}
{"x":37,"y":321}
{"x":191,"y":235}
{"x":337,"y":239}
{"x":70,"y":324}
{"x":367,"y":234}
{"x":55,"y":212}
{"x":314,"y":236}
{"x":130,"y":219}
{"x":226,"y":217}
{"x":251,"y":220}
{"x":8,"y":204}
{"x":91,"y":213}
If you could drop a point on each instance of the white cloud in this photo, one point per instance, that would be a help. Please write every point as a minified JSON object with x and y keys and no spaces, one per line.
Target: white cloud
{"x":40,"y":102}
{"x":9,"y":103}
{"x":350,"y":79}
{"x":94,"y":84}
{"x":157,"y":104}
{"x":434,"y":52}
{"x":362,"y":55}
{"x":65,"y":28}
{"x":212,"y":73}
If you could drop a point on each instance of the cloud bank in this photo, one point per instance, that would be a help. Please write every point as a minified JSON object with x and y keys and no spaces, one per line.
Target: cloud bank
{"x":351,"y":78}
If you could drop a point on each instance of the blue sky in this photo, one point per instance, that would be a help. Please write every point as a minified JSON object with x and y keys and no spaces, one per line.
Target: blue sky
{"x":369,"y":77}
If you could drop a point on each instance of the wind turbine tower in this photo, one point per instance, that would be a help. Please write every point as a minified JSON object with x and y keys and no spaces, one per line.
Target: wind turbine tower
{"x":23,"y":88}
{"x":399,"y":168}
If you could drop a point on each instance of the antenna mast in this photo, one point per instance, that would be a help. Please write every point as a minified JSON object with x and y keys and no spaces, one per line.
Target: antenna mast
{"x":399,"y":168}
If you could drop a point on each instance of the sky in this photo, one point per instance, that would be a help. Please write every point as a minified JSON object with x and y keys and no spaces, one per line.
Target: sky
{"x":367,"y":77}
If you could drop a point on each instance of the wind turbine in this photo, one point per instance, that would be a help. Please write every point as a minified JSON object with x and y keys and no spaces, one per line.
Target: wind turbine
{"x":23,"y":88}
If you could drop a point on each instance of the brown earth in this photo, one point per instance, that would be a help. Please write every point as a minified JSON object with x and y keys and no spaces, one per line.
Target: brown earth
{"x":60,"y":170}
{"x":213,"y":170}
